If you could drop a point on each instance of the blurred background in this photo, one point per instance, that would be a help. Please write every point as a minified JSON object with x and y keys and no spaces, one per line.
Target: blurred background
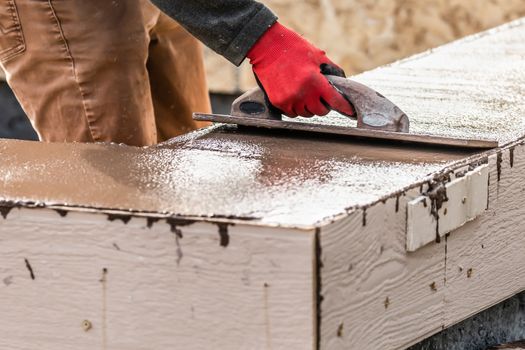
{"x":357,"y":34}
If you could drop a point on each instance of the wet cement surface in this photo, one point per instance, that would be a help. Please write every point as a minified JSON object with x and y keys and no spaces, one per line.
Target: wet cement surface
{"x":273,"y":178}
{"x":474,"y":88}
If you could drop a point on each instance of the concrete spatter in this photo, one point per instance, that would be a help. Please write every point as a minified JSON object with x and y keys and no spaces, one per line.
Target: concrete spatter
{"x":278,"y":179}
{"x":4,"y":211}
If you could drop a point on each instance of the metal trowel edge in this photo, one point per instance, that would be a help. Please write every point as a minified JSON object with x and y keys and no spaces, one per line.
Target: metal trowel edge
{"x":377,"y":118}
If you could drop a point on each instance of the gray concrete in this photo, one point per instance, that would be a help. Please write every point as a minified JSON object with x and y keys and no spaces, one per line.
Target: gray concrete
{"x":499,"y":324}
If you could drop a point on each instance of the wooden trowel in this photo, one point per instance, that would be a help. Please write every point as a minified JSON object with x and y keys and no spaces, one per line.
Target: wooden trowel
{"x":377,"y":118}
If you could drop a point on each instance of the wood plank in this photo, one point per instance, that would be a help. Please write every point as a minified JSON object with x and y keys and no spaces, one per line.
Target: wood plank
{"x":100,"y":283}
{"x":485,"y":260}
{"x":463,"y":198}
{"x":478,"y":265}
{"x":374,"y":294}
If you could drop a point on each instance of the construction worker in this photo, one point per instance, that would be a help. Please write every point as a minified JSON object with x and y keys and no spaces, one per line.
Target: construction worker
{"x":124,"y":71}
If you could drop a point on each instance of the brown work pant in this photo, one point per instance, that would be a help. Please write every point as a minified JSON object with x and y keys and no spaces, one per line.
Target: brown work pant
{"x":102,"y":70}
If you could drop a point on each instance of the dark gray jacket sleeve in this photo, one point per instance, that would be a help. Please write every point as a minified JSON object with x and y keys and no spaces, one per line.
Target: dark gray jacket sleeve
{"x":229,"y":27}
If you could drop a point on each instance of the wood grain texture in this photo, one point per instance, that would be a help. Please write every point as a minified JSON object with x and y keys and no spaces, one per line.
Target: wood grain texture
{"x":101,"y":284}
{"x":486,"y":258}
{"x":197,"y":287}
{"x":473,"y":267}
{"x":375,"y":295}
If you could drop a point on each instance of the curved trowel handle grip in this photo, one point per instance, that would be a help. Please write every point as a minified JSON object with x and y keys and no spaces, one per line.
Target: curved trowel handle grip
{"x":373,"y":110}
{"x":254,"y":104}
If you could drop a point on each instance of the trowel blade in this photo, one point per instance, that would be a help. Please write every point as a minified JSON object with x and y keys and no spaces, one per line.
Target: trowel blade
{"x":349,"y":131}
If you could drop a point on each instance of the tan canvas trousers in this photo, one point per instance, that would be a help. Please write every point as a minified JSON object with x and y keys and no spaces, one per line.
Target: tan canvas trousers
{"x":102,"y":70}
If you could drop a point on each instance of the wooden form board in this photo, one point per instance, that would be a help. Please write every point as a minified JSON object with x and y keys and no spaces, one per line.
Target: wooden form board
{"x":402,"y":297}
{"x":376,"y":293}
{"x":73,"y":280}
{"x":321,"y":221}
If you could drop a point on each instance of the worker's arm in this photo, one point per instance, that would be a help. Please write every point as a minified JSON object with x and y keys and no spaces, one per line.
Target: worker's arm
{"x":229,"y":27}
{"x":287,"y":66}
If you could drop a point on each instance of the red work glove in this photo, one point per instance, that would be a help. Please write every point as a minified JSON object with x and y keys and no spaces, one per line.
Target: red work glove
{"x":289,"y":69}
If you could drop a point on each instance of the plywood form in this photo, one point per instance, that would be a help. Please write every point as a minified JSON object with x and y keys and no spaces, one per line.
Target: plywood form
{"x":374,"y":294}
{"x":485,"y":258}
{"x":469,"y":270}
{"x":475,"y":266}
{"x":75,"y":280}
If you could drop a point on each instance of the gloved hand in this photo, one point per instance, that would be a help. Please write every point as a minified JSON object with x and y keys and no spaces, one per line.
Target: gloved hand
{"x":289,"y":69}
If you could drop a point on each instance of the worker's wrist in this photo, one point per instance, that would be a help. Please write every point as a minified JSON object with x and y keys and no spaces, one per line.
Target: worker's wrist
{"x":273,"y":44}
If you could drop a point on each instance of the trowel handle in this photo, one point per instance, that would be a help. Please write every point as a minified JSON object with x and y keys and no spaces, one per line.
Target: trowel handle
{"x":256,"y":104}
{"x":373,"y":110}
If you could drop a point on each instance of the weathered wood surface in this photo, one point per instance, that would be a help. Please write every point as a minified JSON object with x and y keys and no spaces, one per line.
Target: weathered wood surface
{"x":374,"y":295}
{"x":466,"y":199}
{"x":438,"y":285}
{"x":92,"y":281}
{"x":469,"y":87}
{"x":485,"y":258}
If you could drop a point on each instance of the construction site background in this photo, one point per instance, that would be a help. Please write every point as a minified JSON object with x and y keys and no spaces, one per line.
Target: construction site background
{"x":363,"y":34}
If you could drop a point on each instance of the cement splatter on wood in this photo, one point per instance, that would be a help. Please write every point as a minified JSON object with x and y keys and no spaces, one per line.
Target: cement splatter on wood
{"x":151,"y":221}
{"x":124,"y":218}
{"x":61,"y":212}
{"x":223,"y":234}
{"x":30,"y":269}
